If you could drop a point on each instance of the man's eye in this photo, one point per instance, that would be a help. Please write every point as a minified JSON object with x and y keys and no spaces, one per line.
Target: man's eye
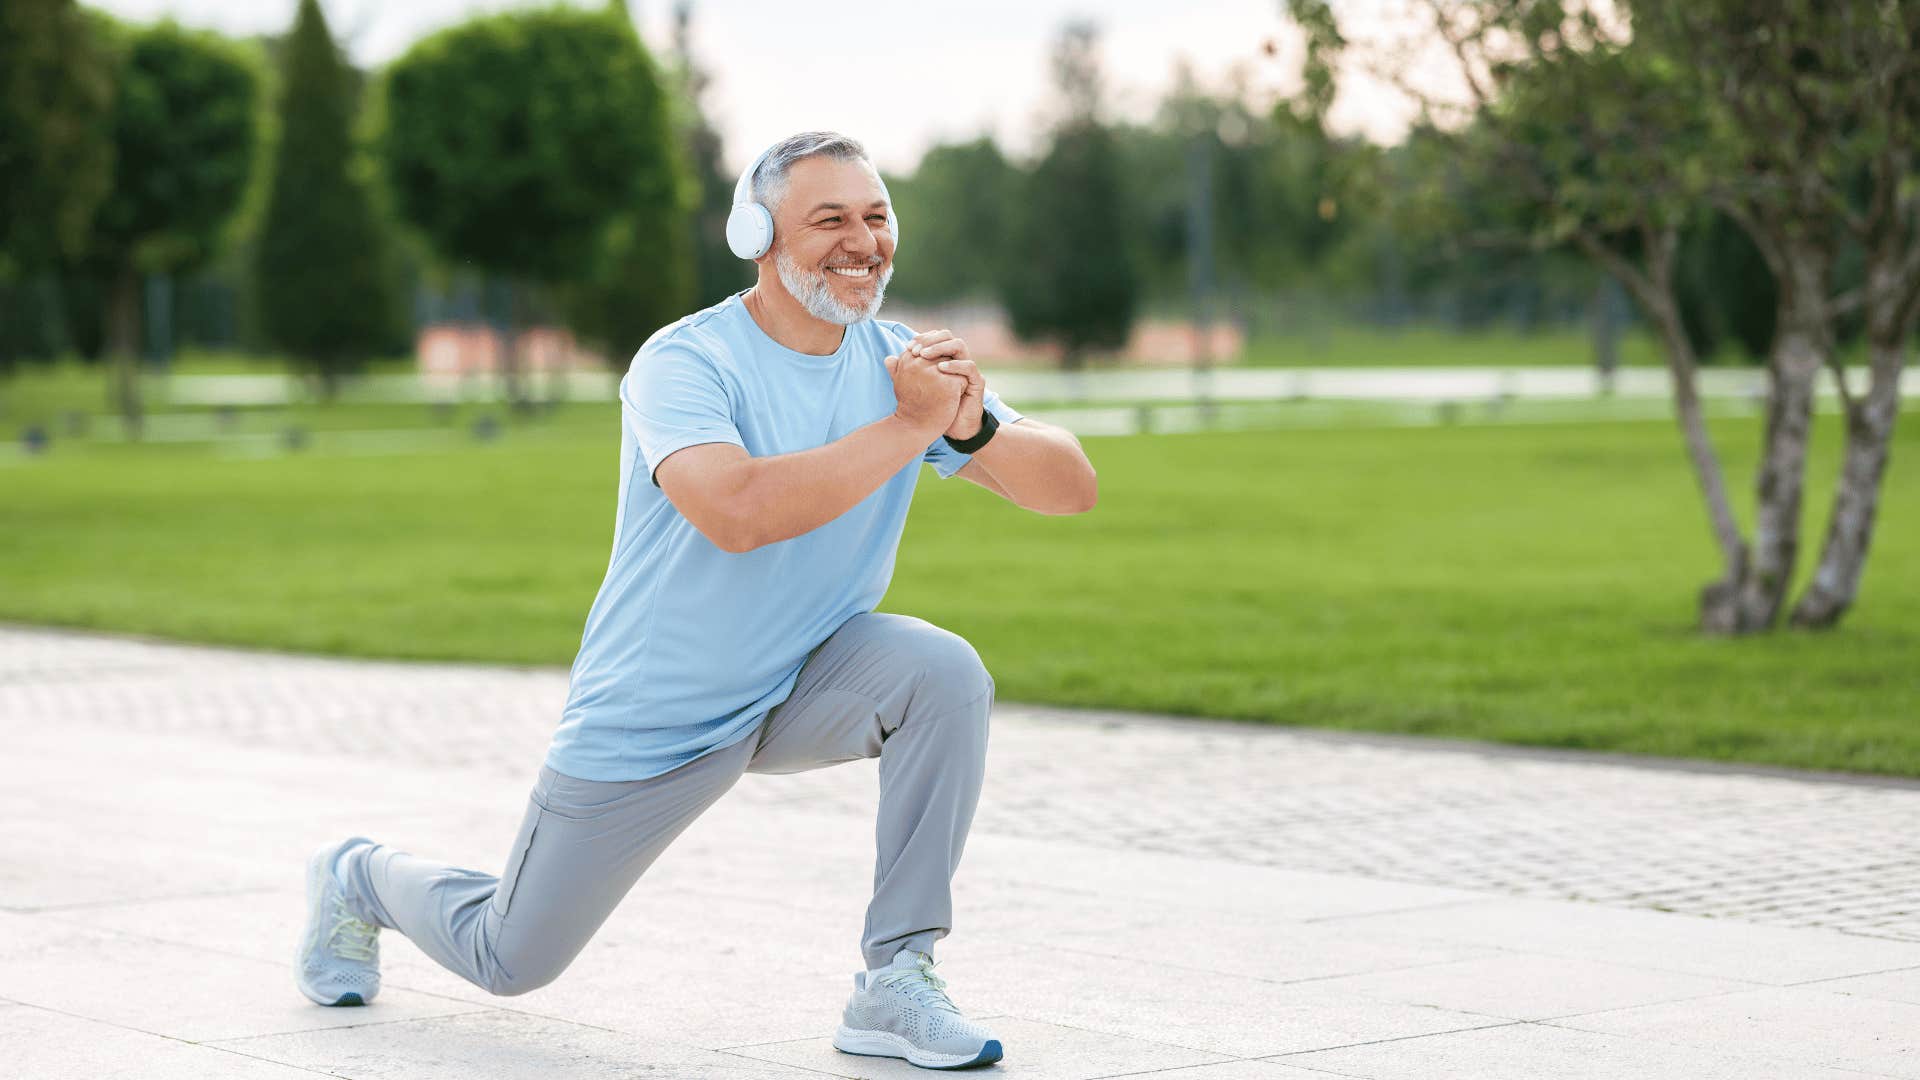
{"x":830,"y":221}
{"x":882,"y":218}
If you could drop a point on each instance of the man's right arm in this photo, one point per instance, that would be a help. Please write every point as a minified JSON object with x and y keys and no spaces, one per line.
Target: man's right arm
{"x":741,"y":502}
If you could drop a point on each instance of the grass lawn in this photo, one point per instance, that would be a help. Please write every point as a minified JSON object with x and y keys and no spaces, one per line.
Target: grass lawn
{"x":1530,"y":584}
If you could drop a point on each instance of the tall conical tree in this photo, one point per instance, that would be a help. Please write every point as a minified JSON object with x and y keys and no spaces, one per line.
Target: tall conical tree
{"x":1072,"y":281}
{"x":56,"y":151}
{"x":320,"y":264}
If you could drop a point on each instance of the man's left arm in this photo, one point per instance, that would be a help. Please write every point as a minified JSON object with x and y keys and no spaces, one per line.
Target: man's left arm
{"x":1034,"y":465}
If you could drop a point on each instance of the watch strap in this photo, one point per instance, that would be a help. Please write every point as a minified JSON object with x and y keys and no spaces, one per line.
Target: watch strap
{"x":988,"y":425}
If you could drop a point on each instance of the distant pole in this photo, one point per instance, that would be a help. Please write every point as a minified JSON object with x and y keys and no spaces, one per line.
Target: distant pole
{"x":1609,"y":303}
{"x":1200,"y":267}
{"x":159,"y":320}
{"x":1200,"y":246}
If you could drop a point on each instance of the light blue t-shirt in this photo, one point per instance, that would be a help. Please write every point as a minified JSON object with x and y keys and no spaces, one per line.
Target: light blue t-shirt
{"x":687,"y":647}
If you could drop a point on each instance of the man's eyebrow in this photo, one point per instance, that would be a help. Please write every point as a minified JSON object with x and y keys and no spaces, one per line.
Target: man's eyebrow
{"x":840,"y":206}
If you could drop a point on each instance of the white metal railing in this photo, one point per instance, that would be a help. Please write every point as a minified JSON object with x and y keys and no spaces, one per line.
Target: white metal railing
{"x":1466,"y":384}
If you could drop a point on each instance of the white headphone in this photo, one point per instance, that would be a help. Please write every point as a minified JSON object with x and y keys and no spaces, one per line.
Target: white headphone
{"x":750,"y":225}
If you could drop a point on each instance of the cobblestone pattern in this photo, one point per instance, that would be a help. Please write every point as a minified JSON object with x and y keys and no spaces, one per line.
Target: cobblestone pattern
{"x":1772,"y":849}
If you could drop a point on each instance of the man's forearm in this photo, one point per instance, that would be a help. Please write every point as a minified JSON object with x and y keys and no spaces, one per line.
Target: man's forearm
{"x":1041,"y":467}
{"x":786,"y":495}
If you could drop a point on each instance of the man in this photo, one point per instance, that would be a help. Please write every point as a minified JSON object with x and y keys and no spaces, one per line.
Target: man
{"x":770,"y":447}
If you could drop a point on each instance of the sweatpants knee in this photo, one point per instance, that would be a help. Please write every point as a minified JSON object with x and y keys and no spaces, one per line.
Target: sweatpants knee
{"x":952,"y":674}
{"x":516,"y":975}
{"x":502,"y":984}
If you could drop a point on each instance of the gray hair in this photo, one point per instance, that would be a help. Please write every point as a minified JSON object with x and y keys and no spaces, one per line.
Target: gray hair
{"x":769,"y":183}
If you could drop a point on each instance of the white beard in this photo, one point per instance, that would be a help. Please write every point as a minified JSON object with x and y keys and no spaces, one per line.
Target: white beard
{"x":811,"y":288}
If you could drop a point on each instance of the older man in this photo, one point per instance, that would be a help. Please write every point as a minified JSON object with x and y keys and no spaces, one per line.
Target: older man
{"x":770,"y":448}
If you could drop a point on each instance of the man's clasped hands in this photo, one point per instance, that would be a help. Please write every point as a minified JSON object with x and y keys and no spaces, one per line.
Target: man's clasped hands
{"x":937,"y":385}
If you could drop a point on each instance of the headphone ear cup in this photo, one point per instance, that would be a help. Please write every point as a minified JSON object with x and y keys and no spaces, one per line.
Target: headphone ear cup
{"x":749,"y":230}
{"x":893,"y":226}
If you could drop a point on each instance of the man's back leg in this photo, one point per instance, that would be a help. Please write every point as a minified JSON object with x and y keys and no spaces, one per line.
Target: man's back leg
{"x":581,"y":847}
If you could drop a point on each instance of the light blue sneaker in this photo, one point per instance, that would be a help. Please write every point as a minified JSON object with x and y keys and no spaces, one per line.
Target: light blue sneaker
{"x":339,"y":958}
{"x":902,"y":1010}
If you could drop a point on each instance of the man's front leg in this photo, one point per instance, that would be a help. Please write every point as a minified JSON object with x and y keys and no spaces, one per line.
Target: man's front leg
{"x":917,"y":697}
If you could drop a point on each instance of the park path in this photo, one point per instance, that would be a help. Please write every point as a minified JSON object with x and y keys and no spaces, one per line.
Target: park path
{"x":1191,"y":899}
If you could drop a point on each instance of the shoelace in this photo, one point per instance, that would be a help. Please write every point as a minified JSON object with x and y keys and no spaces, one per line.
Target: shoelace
{"x":921,"y":985}
{"x":350,"y":937}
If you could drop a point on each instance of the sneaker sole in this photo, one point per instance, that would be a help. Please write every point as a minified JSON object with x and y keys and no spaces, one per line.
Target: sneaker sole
{"x":887,"y":1044}
{"x":315,"y":884}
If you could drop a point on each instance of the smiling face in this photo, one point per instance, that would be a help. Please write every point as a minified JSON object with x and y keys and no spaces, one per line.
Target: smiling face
{"x":833,"y":250}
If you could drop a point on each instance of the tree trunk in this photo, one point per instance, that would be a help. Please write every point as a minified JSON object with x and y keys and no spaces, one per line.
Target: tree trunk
{"x":1715,"y":597}
{"x":1800,"y":349}
{"x":123,"y":346}
{"x":1870,"y":423}
{"x":1652,"y":288}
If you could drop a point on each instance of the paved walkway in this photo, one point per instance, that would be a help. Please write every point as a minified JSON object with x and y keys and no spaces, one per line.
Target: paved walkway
{"x":1191,"y":900}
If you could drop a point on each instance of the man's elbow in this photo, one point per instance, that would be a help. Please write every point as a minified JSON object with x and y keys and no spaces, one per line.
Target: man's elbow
{"x":729,"y":526}
{"x":741,"y":530}
{"x":734,"y":542}
{"x":1087,"y":495}
{"x":1075,"y":500}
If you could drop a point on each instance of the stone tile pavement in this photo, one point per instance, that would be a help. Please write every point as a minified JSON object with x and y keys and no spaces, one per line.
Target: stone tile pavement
{"x":1188,"y":900}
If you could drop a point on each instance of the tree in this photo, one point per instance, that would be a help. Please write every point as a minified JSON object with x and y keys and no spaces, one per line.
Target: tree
{"x":319,"y":266}
{"x":185,"y":130}
{"x":955,"y":208}
{"x":518,"y":142}
{"x":1726,"y":292}
{"x":1798,"y":120}
{"x":1821,"y":103}
{"x":1071,"y":279}
{"x":56,"y":159}
{"x":641,"y":281}
{"x":719,"y":273}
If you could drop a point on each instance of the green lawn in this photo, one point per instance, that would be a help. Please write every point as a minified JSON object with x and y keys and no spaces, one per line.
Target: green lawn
{"x":1522,"y":583}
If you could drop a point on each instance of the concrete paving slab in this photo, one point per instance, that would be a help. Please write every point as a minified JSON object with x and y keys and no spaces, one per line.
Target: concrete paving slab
{"x":200,"y":826}
{"x":1717,"y":948}
{"x":265,"y":928}
{"x":1128,"y":928}
{"x":1901,"y":985}
{"x":37,"y":1043}
{"x":1798,"y":1023}
{"x":696,"y":994}
{"x":500,"y":1045}
{"x":1199,"y":882}
{"x":1038,"y":1049}
{"x":193,"y":994}
{"x":153,"y":867}
{"x":1518,"y":987}
{"x":1224,"y":1014}
{"x":1761,"y":845}
{"x":1244,"y":1069}
{"x":1190,"y":891}
{"x":1539,"y":1052}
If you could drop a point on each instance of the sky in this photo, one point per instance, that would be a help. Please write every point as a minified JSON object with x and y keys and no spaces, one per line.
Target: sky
{"x":898,"y":76}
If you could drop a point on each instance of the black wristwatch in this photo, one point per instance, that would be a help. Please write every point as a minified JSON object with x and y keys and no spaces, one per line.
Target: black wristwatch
{"x":988,"y":425}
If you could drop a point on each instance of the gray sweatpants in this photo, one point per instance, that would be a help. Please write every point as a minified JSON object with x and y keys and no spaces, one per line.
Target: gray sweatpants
{"x":886,"y":686}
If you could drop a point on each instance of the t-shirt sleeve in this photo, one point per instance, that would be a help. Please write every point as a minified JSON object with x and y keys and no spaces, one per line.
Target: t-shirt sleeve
{"x":672,"y":398}
{"x":946,"y":460}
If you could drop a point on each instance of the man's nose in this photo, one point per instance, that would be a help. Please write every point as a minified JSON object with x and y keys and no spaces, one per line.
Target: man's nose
{"x":865,"y":240}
